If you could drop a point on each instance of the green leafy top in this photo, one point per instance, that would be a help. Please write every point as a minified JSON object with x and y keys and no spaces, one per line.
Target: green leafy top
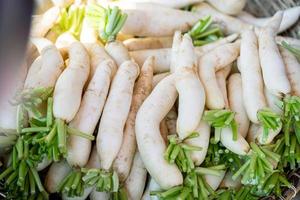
{"x":205,"y":31}
{"x":107,"y":21}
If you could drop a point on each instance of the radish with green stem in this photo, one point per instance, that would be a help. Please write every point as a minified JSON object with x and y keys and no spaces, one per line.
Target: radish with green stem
{"x":189,"y":87}
{"x":89,"y":112}
{"x":110,"y":133}
{"x":136,"y":180}
{"x":143,"y":86}
{"x":208,"y":66}
{"x":150,"y":143}
{"x":291,"y":41}
{"x":163,"y":56}
{"x":118,"y":52}
{"x":41,"y":24}
{"x":293,"y":70}
{"x":230,"y":7}
{"x":270,"y":59}
{"x":290,"y":17}
{"x":236,"y":103}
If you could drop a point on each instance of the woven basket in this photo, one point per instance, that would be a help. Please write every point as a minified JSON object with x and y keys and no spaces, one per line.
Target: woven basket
{"x":266,"y":8}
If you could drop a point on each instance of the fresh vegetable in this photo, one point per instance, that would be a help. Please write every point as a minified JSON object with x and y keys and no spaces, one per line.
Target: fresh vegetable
{"x":230,"y":7}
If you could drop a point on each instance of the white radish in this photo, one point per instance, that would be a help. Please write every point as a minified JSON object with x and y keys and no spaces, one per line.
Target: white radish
{"x":46,"y":69}
{"x":88,"y":34}
{"x":252,"y":80}
{"x":65,"y":40}
{"x":151,"y":186}
{"x":118,"y":52}
{"x":228,"y":182}
{"x":252,"y":132}
{"x":163,"y":56}
{"x":292,"y":67}
{"x":214,"y":181}
{"x":229,"y":24}
{"x":189,"y":87}
{"x":208,"y":65}
{"x":135,"y":183}
{"x":69,"y":86}
{"x":110,"y":133}
{"x":43,"y":164}
{"x":99,"y":195}
{"x":236,"y":103}
{"x":274,"y":74}
{"x":55,"y":175}
{"x":221,"y":76}
{"x":142,"y":89}
{"x":158,"y":77}
{"x":271,"y":135}
{"x":167,"y":3}
{"x":274,"y":102}
{"x":89,"y":113}
{"x":41,"y":24}
{"x":290,"y":40}
{"x":134,"y":44}
{"x":150,"y":142}
{"x":239,"y":146}
{"x":230,"y":7}
{"x":171,"y":121}
{"x":202,"y":141}
{"x":290,"y":17}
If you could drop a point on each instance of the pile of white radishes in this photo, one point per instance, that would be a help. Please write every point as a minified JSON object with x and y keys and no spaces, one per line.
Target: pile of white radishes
{"x":170,"y":119}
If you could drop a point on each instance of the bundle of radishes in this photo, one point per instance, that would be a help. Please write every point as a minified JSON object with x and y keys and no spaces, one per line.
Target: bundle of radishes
{"x":185,"y":100}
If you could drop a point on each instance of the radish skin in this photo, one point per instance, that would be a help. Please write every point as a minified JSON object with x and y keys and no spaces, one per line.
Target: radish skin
{"x":230,"y":7}
{"x":163,"y":128}
{"x":208,"y":65}
{"x":221,"y":76}
{"x":290,"y":17}
{"x":214,"y":181}
{"x":135,"y":183}
{"x":272,"y":134}
{"x":167,"y":3}
{"x":55,"y":174}
{"x":236,"y":103}
{"x":142,"y":89}
{"x":41,"y":24}
{"x":88,"y":34}
{"x":64,"y":40}
{"x":69,"y":86}
{"x":110,"y":133}
{"x":228,"y":182}
{"x":158,"y":77}
{"x":292,"y":67}
{"x":89,"y":113}
{"x":43,"y":164}
{"x":118,"y":52}
{"x":201,"y":141}
{"x":252,"y":80}
{"x":171,"y":121}
{"x":273,"y":69}
{"x":290,"y":40}
{"x":46,"y":69}
{"x":252,"y":132}
{"x":274,"y":102}
{"x":163,"y":56}
{"x":150,"y":142}
{"x":189,"y":87}
{"x":134,"y":44}
{"x":99,"y":195}
{"x":151,"y":186}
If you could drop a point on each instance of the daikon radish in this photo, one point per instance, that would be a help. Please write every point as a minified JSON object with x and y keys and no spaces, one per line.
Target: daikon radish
{"x":43,"y":164}
{"x":99,"y":195}
{"x":208,"y":65}
{"x":269,"y":138}
{"x":142,"y":89}
{"x":163,"y":56}
{"x":214,"y":181}
{"x":229,"y":23}
{"x":69,"y":86}
{"x":135,"y":44}
{"x":136,"y":180}
{"x":273,"y":69}
{"x":150,"y":143}
{"x":189,"y":87}
{"x":167,"y":3}
{"x":221,"y":76}
{"x":201,"y":141}
{"x":41,"y":24}
{"x":230,"y":7}
{"x":290,"y":40}
{"x":46,"y":69}
{"x":228,"y":182}
{"x":252,"y":80}
{"x":56,"y":174}
{"x":88,"y":34}
{"x":274,"y":102}
{"x":118,"y":52}
{"x":292,"y":67}
{"x":236,"y":103}
{"x":110,"y":133}
{"x":158,"y":77}
{"x":151,"y":186}
{"x":290,"y":17}
{"x":89,"y":113}
{"x":252,"y":132}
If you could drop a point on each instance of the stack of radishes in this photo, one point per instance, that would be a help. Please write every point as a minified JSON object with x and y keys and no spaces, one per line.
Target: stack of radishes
{"x":201,"y":102}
